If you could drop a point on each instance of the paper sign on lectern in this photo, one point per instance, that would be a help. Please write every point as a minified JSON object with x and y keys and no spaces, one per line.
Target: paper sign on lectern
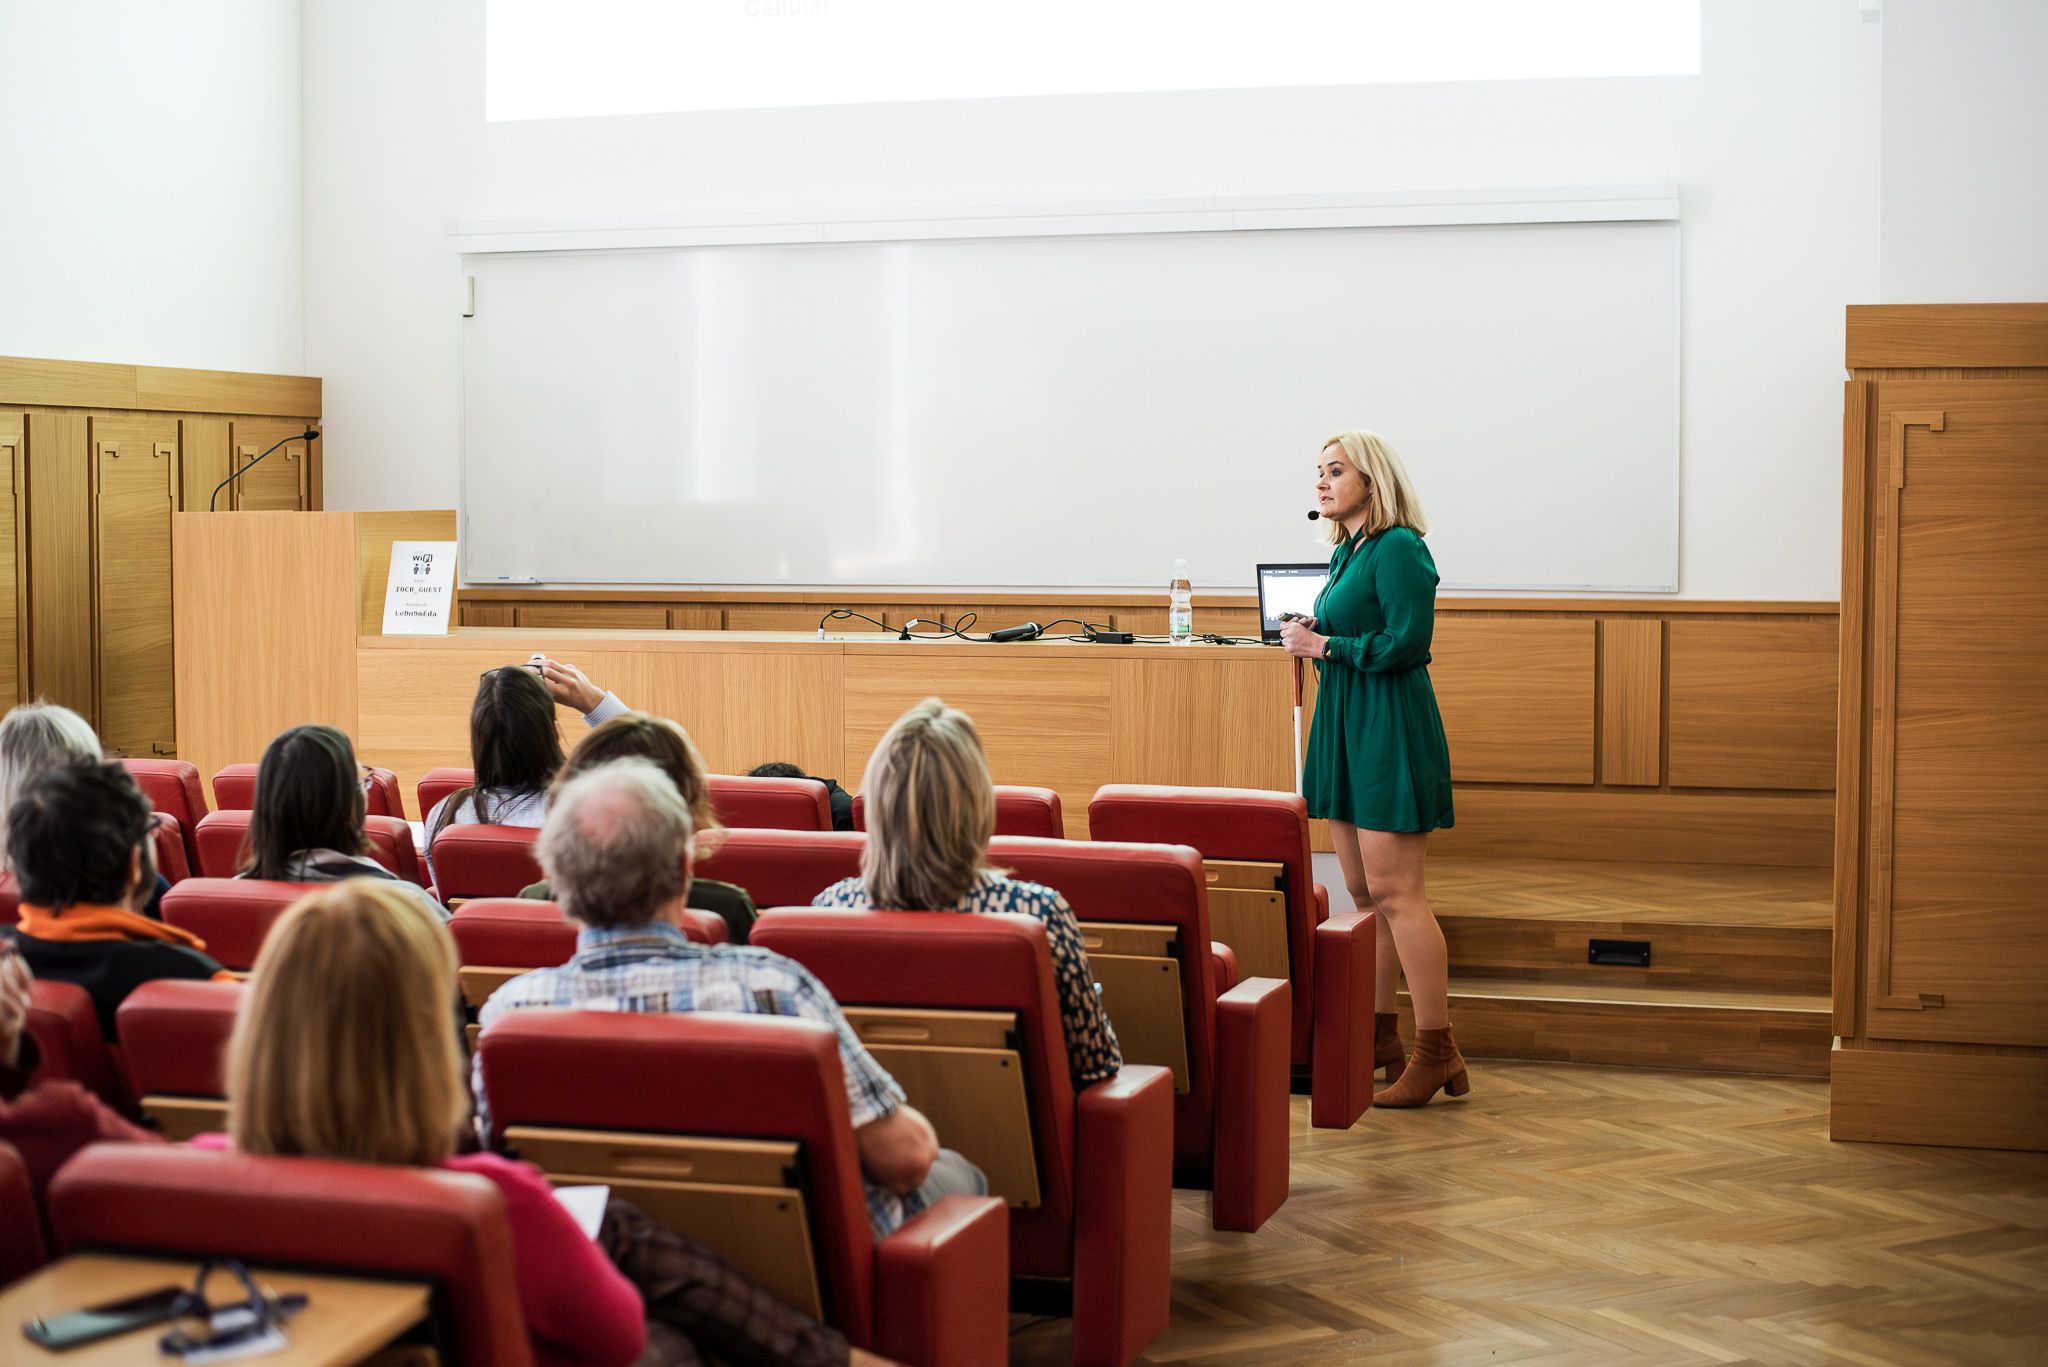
{"x":419,"y":595}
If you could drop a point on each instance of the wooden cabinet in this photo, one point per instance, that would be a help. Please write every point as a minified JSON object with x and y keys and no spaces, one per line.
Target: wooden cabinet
{"x":94,"y":461}
{"x":1941,"y":977}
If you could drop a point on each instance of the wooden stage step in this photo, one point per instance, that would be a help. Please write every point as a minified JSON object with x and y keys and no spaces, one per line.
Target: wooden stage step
{"x":1778,"y":1033}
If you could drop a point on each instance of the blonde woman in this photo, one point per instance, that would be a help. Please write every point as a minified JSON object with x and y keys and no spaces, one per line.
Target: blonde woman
{"x":346,"y":1049}
{"x":931,"y":810}
{"x":1378,"y":765}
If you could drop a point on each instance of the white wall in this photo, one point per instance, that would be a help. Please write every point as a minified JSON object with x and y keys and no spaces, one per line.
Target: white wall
{"x":1965,"y":141}
{"x":1773,"y":145}
{"x":151,"y":156}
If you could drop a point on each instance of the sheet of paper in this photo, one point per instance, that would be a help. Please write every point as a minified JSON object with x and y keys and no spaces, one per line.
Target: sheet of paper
{"x":586,"y":1204}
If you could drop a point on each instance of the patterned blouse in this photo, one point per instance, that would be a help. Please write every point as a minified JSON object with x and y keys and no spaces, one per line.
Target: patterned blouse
{"x":1092,"y":1052}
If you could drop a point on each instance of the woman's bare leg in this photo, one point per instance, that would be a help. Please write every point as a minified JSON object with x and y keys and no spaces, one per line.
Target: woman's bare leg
{"x":1392,"y":862}
{"x":1386,"y":962}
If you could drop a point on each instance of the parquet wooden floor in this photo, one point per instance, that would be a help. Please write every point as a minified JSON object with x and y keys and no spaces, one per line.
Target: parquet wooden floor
{"x":1572,"y":1215}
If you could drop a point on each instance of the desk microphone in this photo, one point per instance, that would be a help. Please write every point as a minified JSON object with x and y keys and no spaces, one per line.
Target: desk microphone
{"x":310,"y":434}
{"x":1027,"y":632}
{"x":1313,"y":514}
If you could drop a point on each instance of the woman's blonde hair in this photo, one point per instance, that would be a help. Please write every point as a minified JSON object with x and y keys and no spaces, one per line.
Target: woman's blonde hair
{"x":1393,"y":504}
{"x":931,"y":808}
{"x":345,"y":1047}
{"x":35,"y":738}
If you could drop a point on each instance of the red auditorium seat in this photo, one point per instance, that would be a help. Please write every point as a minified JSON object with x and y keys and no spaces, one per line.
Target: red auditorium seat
{"x":10,"y":900}
{"x":234,"y":789}
{"x":1256,"y":843}
{"x":783,"y":868}
{"x":446,"y":1228}
{"x":67,"y":1031}
{"x":1088,"y":1176}
{"x":485,"y":861}
{"x":1019,"y":811}
{"x":436,"y":784}
{"x":233,"y":915}
{"x":1227,"y":1045}
{"x":567,"y":1086}
{"x":783,"y":804}
{"x":168,"y":845}
{"x":390,"y":839}
{"x":21,"y":1225}
{"x":498,"y":938}
{"x":174,"y":1035}
{"x":172,"y":787}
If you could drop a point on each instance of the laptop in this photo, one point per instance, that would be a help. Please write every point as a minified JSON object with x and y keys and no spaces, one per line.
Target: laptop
{"x":1288,"y":588}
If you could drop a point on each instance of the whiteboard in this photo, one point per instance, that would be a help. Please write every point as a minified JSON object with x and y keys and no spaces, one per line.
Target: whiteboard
{"x":1073,"y":411}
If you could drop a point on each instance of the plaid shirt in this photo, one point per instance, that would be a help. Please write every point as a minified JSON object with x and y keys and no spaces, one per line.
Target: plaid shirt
{"x":652,"y":969}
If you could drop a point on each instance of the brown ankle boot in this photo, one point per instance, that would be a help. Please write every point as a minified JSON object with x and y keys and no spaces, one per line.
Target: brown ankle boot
{"x":1436,"y":1064}
{"x":1387,"y":1052}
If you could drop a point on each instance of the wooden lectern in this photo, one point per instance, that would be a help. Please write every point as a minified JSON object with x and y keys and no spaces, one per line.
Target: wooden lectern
{"x":267,"y":608}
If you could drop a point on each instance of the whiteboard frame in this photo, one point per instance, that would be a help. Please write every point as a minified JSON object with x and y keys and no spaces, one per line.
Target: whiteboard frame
{"x":1657,"y":202}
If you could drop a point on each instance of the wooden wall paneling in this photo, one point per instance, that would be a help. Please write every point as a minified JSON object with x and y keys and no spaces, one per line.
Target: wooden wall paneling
{"x":375,"y":533}
{"x":696,"y":617}
{"x":1632,"y":702}
{"x":595,"y":616}
{"x":1223,"y":717}
{"x":1982,"y":1101}
{"x":1852,"y":706}
{"x":203,"y":462}
{"x":1890,"y":336}
{"x":135,"y":492}
{"x":1645,"y":827}
{"x":13,"y":544}
{"x":1517,"y":698}
{"x":1960,"y":766}
{"x":228,"y":391}
{"x":802,"y":617}
{"x":779,"y":708}
{"x":1753,"y":704}
{"x":59,"y":487}
{"x":1046,"y":722}
{"x":264,"y":612}
{"x":486,"y":614}
{"x":279,"y":483}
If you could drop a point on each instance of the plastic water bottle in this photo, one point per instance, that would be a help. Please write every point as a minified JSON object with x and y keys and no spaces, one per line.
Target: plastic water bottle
{"x":1180,"y":617}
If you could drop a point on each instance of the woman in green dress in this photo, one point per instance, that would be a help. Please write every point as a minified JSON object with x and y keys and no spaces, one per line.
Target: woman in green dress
{"x":1378,"y":766}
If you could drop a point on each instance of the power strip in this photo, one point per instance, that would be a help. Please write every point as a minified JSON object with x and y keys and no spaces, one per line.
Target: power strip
{"x":1110,"y":638}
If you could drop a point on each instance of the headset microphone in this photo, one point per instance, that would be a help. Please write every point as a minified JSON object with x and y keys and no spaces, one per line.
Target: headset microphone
{"x":1313,"y":514}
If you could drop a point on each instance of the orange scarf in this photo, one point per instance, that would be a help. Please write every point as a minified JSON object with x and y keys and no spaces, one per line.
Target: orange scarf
{"x":82,"y":922}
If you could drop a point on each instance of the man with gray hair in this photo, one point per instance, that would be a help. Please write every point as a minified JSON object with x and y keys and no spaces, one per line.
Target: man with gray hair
{"x":616,"y":850}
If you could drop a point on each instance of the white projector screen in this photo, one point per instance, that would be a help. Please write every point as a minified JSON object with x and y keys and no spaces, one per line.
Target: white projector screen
{"x":1072,"y":411}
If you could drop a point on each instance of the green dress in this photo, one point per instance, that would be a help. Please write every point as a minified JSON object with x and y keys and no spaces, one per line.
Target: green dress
{"x":1377,"y":756}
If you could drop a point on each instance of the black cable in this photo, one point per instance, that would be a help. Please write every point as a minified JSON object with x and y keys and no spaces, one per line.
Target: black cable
{"x":837,"y":613}
{"x":945,"y":632}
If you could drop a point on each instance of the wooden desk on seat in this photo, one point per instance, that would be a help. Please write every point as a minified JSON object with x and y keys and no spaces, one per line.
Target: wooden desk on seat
{"x":346,"y":1319}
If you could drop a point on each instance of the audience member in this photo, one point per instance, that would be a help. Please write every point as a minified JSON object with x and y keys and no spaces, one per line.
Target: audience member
{"x":616,"y":849}
{"x":341,"y":1051}
{"x":36,"y":737}
{"x":307,"y":825}
{"x":637,"y":735}
{"x":931,"y":811}
{"x":55,"y":1118}
{"x":841,"y":800}
{"x":82,"y":846}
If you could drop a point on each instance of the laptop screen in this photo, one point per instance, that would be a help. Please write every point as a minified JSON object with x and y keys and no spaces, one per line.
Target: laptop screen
{"x":1287,"y":588}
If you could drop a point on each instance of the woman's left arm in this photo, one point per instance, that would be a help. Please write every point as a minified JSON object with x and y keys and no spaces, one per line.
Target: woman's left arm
{"x":1405,"y":582}
{"x":1092,"y":1051}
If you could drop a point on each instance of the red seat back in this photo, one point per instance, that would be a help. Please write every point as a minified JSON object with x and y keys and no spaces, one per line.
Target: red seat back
{"x":485,"y":861}
{"x":21,"y":1224}
{"x":174,"y":1034}
{"x":436,"y":784}
{"x":1230,"y":823}
{"x":963,"y":963}
{"x":741,"y":1077}
{"x":1019,"y":811}
{"x":173,"y":788}
{"x":381,"y":794}
{"x":222,"y":834}
{"x":520,"y":932}
{"x":10,"y":900}
{"x":66,"y":1027}
{"x":783,"y":804}
{"x":233,"y":915}
{"x":784,"y":868}
{"x":443,"y":1227}
{"x":167,"y":844}
{"x":234,"y":788}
